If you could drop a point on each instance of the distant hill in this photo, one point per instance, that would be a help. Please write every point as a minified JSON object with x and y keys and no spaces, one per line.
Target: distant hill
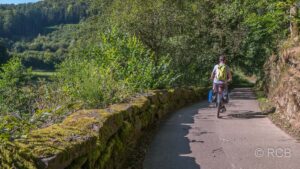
{"x":28,"y":20}
{"x":44,"y":51}
{"x":41,"y":33}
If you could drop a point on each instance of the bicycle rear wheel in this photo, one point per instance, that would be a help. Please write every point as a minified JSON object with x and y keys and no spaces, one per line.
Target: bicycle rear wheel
{"x":219,"y":105}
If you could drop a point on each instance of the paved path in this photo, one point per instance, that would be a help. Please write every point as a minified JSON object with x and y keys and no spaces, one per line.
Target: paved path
{"x":193,"y":138}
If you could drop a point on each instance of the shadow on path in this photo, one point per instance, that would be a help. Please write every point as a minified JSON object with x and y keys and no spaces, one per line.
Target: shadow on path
{"x":247,"y":114}
{"x":170,"y":148}
{"x":194,"y":136}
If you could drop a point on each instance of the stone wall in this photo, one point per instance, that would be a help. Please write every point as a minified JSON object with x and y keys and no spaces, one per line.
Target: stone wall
{"x":283,"y":87}
{"x":95,"y":139}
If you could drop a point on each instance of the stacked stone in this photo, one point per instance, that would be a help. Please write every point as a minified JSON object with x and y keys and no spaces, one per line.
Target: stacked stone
{"x":96,"y":139}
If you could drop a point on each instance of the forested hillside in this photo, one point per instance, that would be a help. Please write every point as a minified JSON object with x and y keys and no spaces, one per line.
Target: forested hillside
{"x":105,"y":51}
{"x":34,"y":31}
{"x":28,"y":20}
{"x":46,"y":50}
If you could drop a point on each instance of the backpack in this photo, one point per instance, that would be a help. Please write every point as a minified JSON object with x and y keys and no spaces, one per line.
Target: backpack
{"x":222,"y":72}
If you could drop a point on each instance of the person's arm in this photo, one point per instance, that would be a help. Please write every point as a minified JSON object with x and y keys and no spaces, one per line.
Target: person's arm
{"x":212,"y":76}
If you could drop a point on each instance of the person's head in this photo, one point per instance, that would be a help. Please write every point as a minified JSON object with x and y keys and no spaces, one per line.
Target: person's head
{"x":222,"y":59}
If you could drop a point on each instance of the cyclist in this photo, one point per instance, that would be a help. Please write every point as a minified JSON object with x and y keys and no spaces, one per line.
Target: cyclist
{"x":221,"y":75}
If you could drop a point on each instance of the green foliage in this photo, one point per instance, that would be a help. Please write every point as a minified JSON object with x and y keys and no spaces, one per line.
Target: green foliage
{"x":113,"y":69}
{"x":153,"y":44}
{"x":13,"y":77}
{"x":267,"y":26}
{"x":51,"y":105}
{"x":45,"y":51}
{"x":15,"y":98}
{"x":194,"y":33}
{"x":175,"y":29}
{"x":239,"y":79}
{"x":3,"y":54}
{"x":12,"y":126}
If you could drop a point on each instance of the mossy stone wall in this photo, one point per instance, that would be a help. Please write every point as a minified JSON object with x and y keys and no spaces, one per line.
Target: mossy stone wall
{"x":95,"y":139}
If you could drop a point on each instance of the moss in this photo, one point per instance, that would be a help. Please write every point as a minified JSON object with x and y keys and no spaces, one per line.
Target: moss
{"x":163,"y":96}
{"x":146,"y":118}
{"x":95,"y":138}
{"x":153,"y":97}
{"x":137,"y":124}
{"x":126,"y":109}
{"x":201,"y":92}
{"x":118,"y":146}
{"x":167,"y":108}
{"x":127,"y":131}
{"x":171,"y":95}
{"x":97,"y":115}
{"x":264,"y":103}
{"x":94,"y":155}
{"x":104,"y":159}
{"x":110,"y":127}
{"x":187,"y":94}
{"x":52,"y":140}
{"x":10,"y":156}
{"x":102,"y":162}
{"x":260,"y":94}
{"x":78,"y":163}
{"x":153,"y":109}
{"x":140,"y":104}
{"x":62,"y":139}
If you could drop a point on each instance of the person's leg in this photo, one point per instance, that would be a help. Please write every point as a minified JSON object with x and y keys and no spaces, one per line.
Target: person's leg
{"x":214,"y":88}
{"x":226,"y":93}
{"x":219,"y":92}
{"x":214,"y":92}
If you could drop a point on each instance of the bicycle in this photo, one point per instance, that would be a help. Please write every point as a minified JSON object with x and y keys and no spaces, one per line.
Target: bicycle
{"x":220,"y":101}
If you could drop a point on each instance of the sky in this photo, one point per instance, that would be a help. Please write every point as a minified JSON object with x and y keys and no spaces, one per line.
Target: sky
{"x":16,"y":1}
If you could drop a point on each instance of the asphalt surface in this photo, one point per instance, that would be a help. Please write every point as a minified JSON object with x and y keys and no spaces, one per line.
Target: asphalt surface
{"x":193,"y":138}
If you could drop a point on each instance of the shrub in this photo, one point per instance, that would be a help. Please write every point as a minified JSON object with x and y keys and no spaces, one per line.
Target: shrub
{"x":13,"y":78}
{"x":15,"y":99}
{"x":111,"y":70}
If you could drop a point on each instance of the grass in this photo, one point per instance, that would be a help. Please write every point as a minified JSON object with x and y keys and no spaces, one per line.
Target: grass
{"x":264,"y":103}
{"x":41,"y":74}
{"x":241,"y":80}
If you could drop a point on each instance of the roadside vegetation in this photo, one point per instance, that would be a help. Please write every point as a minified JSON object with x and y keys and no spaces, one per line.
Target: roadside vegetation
{"x":89,"y":54}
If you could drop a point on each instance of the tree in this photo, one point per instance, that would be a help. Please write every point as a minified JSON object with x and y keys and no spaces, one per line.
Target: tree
{"x":4,"y":57}
{"x":25,"y":20}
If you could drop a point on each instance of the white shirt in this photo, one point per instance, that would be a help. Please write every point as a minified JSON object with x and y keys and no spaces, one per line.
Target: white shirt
{"x":215,"y":72}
